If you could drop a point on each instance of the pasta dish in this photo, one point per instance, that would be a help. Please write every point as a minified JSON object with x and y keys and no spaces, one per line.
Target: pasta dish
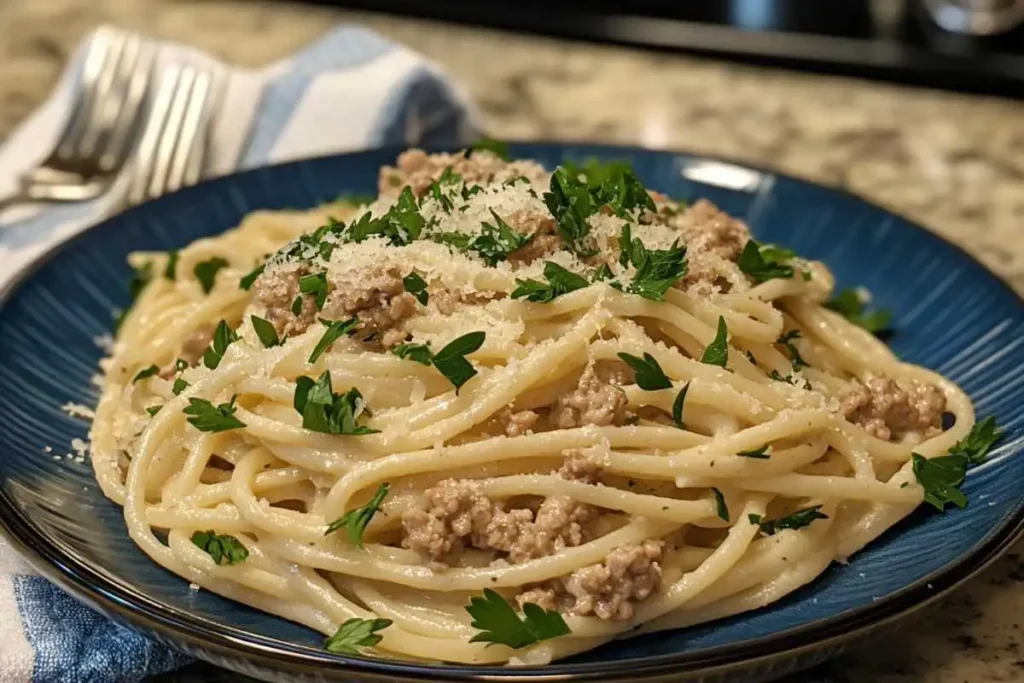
{"x":503,"y":414}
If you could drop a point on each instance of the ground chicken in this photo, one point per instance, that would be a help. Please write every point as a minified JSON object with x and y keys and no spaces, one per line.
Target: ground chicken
{"x":519,"y":423}
{"x":545,"y":236}
{"x":418,"y":170}
{"x":276,"y":289}
{"x":191,"y":351}
{"x":888,"y":409}
{"x":380,"y":302}
{"x":448,"y":301}
{"x":706,"y":228}
{"x":578,"y":467}
{"x":592,"y":402}
{"x":456,"y":514}
{"x":607,"y":590}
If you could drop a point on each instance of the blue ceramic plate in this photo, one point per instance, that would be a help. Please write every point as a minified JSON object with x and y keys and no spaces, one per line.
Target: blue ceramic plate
{"x":950,"y":314}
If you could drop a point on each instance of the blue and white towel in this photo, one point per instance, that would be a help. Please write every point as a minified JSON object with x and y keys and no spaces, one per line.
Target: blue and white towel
{"x":350,"y":90}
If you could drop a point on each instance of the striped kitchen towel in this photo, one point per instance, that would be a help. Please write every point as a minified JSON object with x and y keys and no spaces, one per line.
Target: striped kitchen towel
{"x":350,"y":90}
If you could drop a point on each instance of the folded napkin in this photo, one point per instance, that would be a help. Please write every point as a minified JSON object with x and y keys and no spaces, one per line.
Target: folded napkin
{"x":350,"y":90}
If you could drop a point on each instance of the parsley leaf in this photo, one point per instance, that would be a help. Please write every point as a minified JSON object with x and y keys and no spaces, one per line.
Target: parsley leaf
{"x":495,"y":147}
{"x":153,"y":410}
{"x":356,"y":633}
{"x":315,"y":284}
{"x":420,"y":353}
{"x":720,"y":506}
{"x":146,"y":372}
{"x":266,"y":331}
{"x":941,"y":478}
{"x":717,"y":352}
{"x":451,"y":360}
{"x":787,"y":341}
{"x":324,"y":411}
{"x":297,"y":305}
{"x":335,"y":330}
{"x":848,"y":304}
{"x":677,"y":406}
{"x":758,"y":453}
{"x":223,"y":337}
{"x":171,"y":270}
{"x":560,"y":281}
{"x":458,"y":240}
{"x":248,"y":280}
{"x":354,"y":521}
{"x":649,"y":375}
{"x":978,"y":441}
{"x":180,"y":385}
{"x":495,"y":243}
{"x":416,"y":286}
{"x":788,"y":379}
{"x":140,"y":278}
{"x":613,"y":184}
{"x":570,"y":202}
{"x":209,"y":418}
{"x":797,"y":520}
{"x":499,"y":623}
{"x":656,"y":269}
{"x":206,"y":272}
{"x":224,"y":549}
{"x":765,"y":263}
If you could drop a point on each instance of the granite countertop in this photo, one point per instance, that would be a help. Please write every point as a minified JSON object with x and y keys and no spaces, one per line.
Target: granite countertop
{"x":955,"y":163}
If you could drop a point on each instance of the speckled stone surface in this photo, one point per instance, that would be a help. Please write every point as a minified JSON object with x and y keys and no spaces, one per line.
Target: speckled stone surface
{"x":954,"y":163}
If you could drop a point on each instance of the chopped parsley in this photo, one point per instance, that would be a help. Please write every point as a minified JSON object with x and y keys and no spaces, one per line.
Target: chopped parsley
{"x":720,"y":506}
{"x":656,"y":269}
{"x":224,"y":549}
{"x":613,"y":184}
{"x":419,"y":353}
{"x":356,"y":633}
{"x":206,"y":272}
{"x":758,"y":453}
{"x":496,"y":242}
{"x":978,"y":441}
{"x":248,"y":280}
{"x":787,"y":341}
{"x":335,"y":330}
{"x":297,"y":305}
{"x":559,"y":281}
{"x":171,"y":269}
{"x":941,"y":478}
{"x":354,"y":521}
{"x":677,"y":406}
{"x":401,"y":225}
{"x":571,"y":203}
{"x":324,"y":411}
{"x":649,"y":375}
{"x":848,"y":304}
{"x":717,"y":352}
{"x":499,"y":623}
{"x":266,"y":332}
{"x":495,"y":147}
{"x":416,"y":286}
{"x":315,"y":284}
{"x":451,"y":361}
{"x":179,"y":386}
{"x":765,"y":262}
{"x":797,"y":520}
{"x":788,"y":379}
{"x":146,"y":372}
{"x":223,"y":337}
{"x":153,"y":410}
{"x":207,"y":417}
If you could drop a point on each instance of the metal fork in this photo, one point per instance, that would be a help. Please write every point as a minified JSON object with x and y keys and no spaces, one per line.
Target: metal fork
{"x":174,"y":143}
{"x":104,"y":122}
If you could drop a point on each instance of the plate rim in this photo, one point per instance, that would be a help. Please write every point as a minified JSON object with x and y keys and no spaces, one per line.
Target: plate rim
{"x":113,"y":597}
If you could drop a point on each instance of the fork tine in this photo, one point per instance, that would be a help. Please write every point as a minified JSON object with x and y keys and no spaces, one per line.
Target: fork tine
{"x":116,"y":148}
{"x":191,"y":141}
{"x":95,"y":58}
{"x":110,"y":94}
{"x":146,"y":157}
{"x":95,"y":95}
{"x":172,"y":129}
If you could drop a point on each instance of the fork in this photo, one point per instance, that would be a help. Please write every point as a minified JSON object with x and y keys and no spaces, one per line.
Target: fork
{"x":97,"y":138}
{"x":174,"y":144}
